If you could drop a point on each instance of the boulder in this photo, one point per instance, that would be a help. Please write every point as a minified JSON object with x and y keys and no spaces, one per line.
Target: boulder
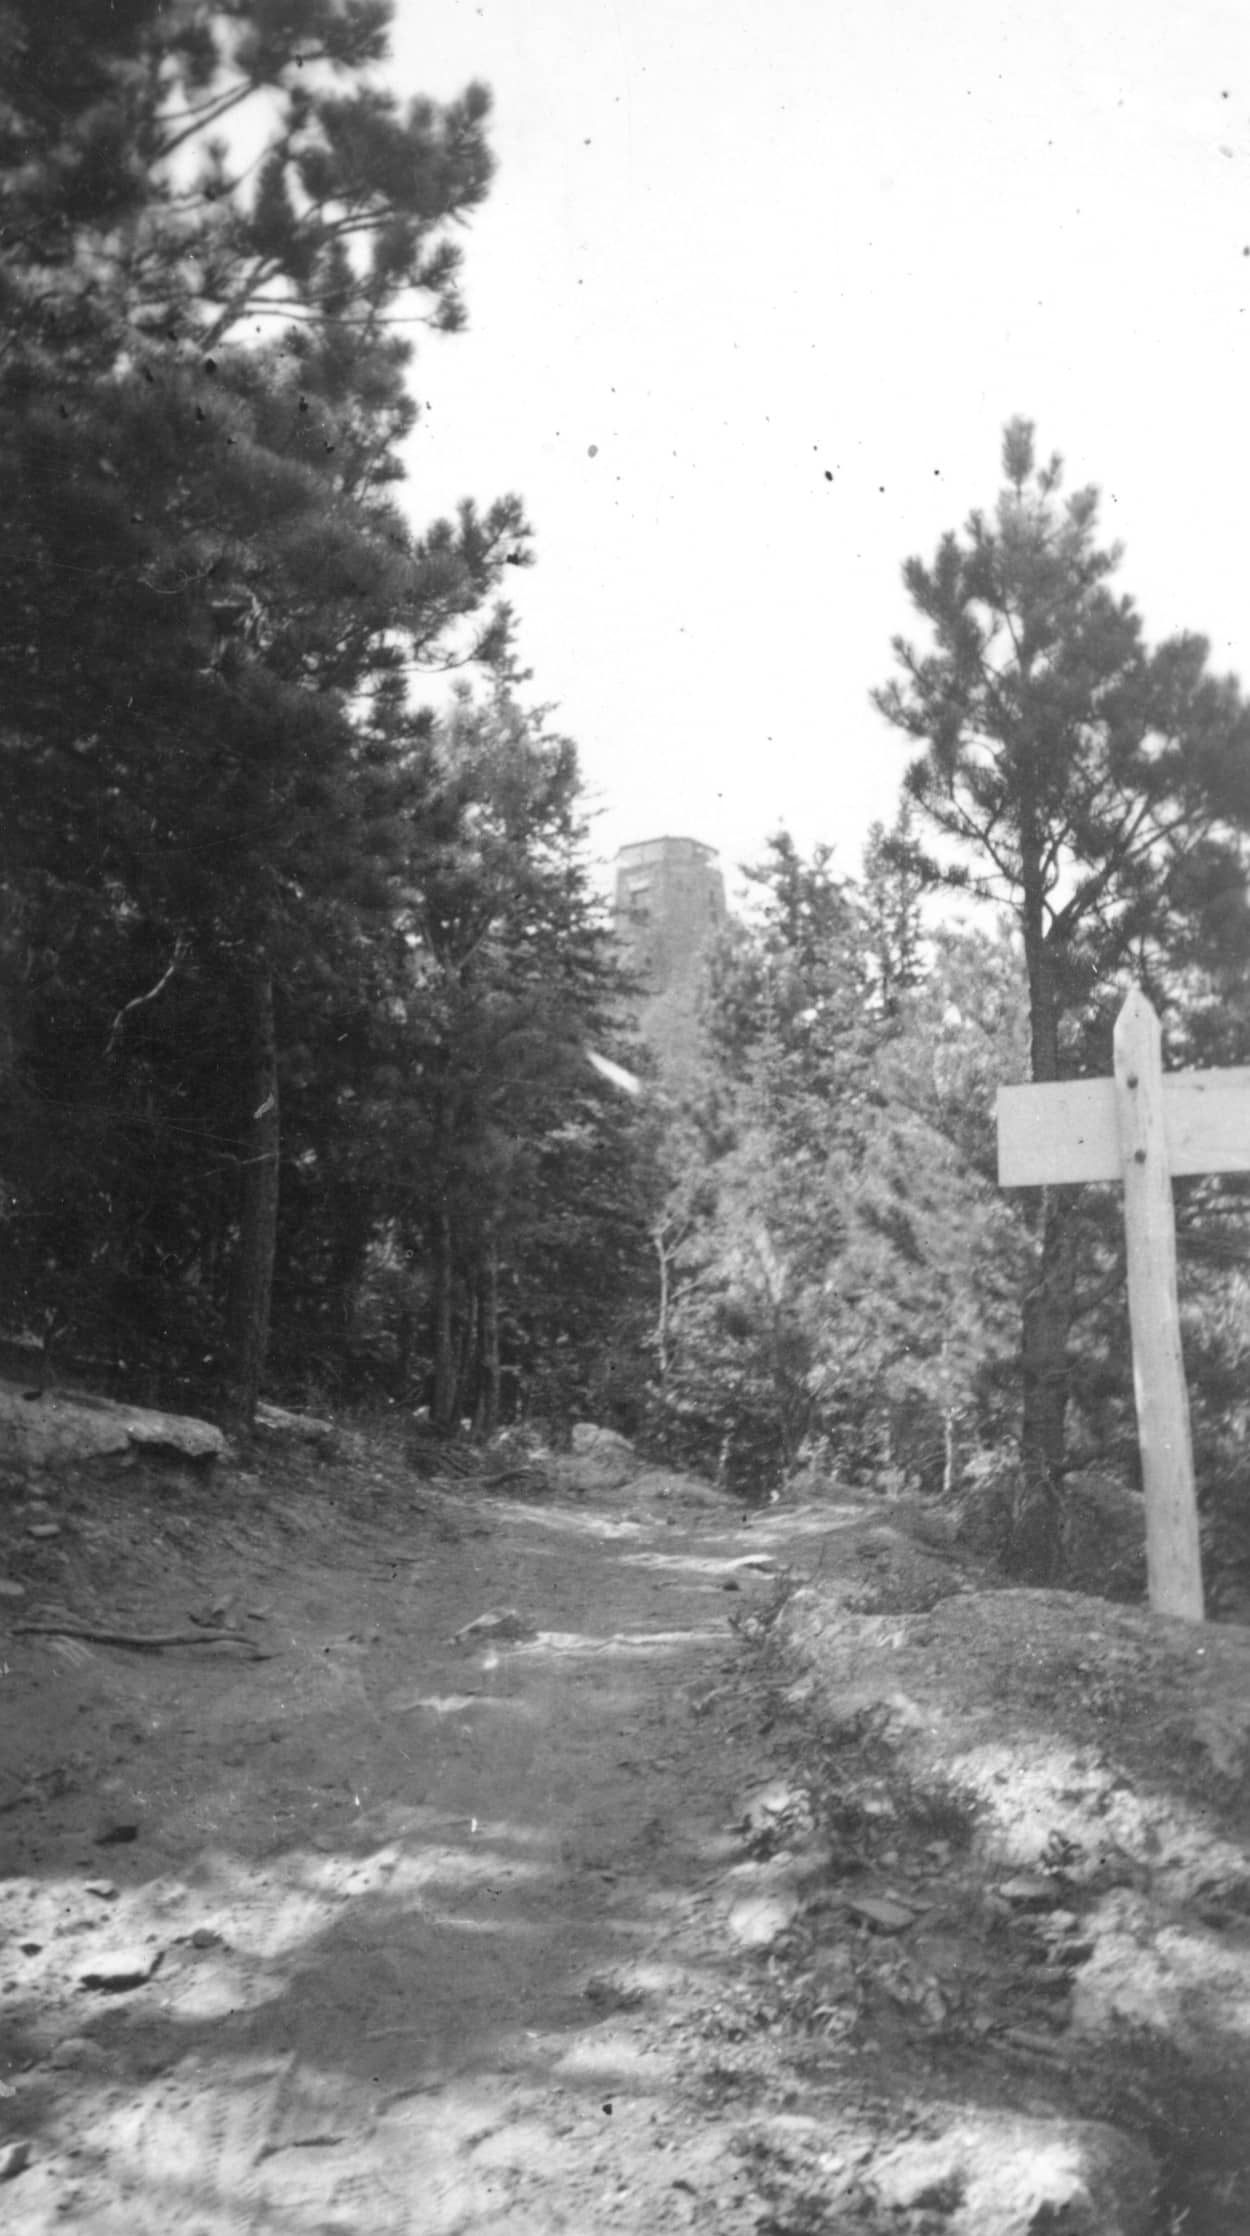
{"x":61,"y":1427}
{"x":278,"y":1422}
{"x":995,"y":2173}
{"x":589,"y":1440}
{"x":600,"y":1460}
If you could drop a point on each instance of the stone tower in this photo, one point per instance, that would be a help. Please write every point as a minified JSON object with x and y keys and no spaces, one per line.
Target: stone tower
{"x":669,"y":901}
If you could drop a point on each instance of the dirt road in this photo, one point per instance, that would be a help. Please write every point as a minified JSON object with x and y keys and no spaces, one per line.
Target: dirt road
{"x":407,"y":1927}
{"x":473,"y":1875}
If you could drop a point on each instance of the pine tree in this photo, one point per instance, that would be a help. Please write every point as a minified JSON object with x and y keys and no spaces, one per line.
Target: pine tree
{"x":891,"y":891}
{"x":1097,"y":789}
{"x":207,"y":582}
{"x":520,"y":1192}
{"x":833,"y":1250}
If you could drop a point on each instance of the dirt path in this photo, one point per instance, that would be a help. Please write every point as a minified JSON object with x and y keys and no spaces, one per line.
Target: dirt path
{"x":395,"y":1930}
{"x":512,"y":1892}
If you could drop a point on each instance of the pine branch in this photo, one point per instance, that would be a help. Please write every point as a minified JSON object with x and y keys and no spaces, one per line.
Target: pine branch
{"x":220,"y":106}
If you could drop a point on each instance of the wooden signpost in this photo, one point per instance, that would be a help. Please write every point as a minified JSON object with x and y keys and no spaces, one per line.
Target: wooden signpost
{"x":1139,"y":1128}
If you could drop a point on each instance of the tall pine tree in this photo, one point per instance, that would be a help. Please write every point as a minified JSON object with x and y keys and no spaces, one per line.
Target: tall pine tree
{"x":213,"y":604}
{"x":1100,"y":791}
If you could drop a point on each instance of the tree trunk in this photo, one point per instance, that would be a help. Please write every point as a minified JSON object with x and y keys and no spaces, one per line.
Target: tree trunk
{"x":466,"y":1363}
{"x":660,"y":1239}
{"x":349,"y":1257}
{"x":486,"y":1418}
{"x":443,"y":1404}
{"x":1035,"y":1546}
{"x":251,"y":1287}
{"x":1043,"y":993}
{"x":405,"y":1346}
{"x":1035,"y":1550}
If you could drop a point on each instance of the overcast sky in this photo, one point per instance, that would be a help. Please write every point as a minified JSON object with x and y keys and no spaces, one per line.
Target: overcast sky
{"x":756,"y":289}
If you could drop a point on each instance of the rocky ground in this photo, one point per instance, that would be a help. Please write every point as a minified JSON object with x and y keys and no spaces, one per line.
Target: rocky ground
{"x":569,"y":1851}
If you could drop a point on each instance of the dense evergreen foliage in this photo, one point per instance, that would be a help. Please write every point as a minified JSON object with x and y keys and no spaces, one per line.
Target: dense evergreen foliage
{"x":237,"y":859}
{"x":839,"y":1254}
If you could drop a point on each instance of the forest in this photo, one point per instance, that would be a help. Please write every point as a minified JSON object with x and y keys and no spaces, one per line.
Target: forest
{"x":301,"y":951}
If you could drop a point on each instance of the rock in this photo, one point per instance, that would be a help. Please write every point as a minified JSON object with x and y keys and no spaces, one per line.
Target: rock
{"x":54,"y":1428}
{"x":14,"y":2159}
{"x":600,"y":1460}
{"x":878,"y":1913}
{"x":178,"y":1433}
{"x":770,"y":1805}
{"x":497,"y":1622}
{"x":760,"y":1919}
{"x":1030,"y":1890}
{"x":75,"y":2051}
{"x":57,"y":1427}
{"x":299,"y":1428}
{"x":764,"y":1902}
{"x":669,"y":1488}
{"x":43,"y":1529}
{"x":1002,"y":2174}
{"x":588,"y":1437}
{"x":10,"y":1590}
{"x":117,"y":1834}
{"x":114,"y":1971}
{"x":1172,"y":1977}
{"x":609,"y":1991}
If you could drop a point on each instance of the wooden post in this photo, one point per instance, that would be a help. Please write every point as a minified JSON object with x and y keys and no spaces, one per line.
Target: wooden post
{"x":1173,"y":1554}
{"x":1141,"y":1128}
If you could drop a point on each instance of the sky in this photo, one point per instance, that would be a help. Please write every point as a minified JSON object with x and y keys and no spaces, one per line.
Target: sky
{"x":756,"y":289}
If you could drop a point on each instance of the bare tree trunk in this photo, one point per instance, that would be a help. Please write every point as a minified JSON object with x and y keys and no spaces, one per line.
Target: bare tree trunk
{"x":251,"y":1287}
{"x":1035,"y":1547}
{"x":405,"y":1345}
{"x":443,"y":1405}
{"x":347,"y":1267}
{"x":486,"y":1416}
{"x":466,"y":1363}
{"x":659,"y":1237}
